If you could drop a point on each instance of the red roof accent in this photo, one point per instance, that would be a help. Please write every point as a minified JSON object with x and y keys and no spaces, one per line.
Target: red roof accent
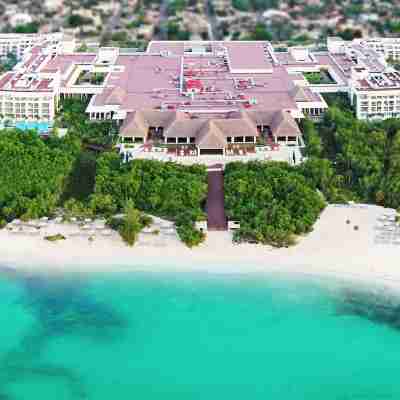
{"x":194,"y":84}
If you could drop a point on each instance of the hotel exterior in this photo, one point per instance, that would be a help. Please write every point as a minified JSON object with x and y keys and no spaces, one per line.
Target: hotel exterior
{"x":196,"y":98}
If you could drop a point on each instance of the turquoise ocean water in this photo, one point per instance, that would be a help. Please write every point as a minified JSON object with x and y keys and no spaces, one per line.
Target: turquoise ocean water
{"x":160,"y":336}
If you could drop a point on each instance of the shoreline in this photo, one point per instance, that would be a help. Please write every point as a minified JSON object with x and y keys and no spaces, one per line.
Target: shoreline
{"x":333,"y":250}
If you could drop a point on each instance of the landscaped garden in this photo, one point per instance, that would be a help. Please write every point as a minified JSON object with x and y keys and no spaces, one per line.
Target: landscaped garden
{"x":322,"y":77}
{"x":91,"y":78}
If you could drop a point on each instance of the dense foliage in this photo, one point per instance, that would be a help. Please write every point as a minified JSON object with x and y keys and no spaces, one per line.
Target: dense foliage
{"x":73,"y":117}
{"x":350,"y":159}
{"x":272,"y":201}
{"x":33,"y":174}
{"x":164,"y":189}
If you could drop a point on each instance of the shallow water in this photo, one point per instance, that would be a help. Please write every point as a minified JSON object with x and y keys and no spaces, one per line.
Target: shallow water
{"x":184,"y":336}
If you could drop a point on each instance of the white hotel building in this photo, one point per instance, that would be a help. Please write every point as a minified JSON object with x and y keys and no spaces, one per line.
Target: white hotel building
{"x":388,"y":47}
{"x":20,"y":43}
{"x":373,"y":85}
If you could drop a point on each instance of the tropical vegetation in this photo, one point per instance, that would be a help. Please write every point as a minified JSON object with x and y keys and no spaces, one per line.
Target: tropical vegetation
{"x":350,"y":159}
{"x":72,"y":116}
{"x":273,"y":202}
{"x":33,"y":173}
{"x":163,"y":189}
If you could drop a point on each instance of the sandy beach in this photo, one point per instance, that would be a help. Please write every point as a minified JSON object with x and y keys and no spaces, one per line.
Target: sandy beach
{"x":334,"y":248}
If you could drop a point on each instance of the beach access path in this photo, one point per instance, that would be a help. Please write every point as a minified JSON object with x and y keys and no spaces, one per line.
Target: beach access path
{"x":216,"y":218}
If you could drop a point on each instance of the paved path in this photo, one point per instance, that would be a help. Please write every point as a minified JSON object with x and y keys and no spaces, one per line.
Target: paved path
{"x":163,"y":22}
{"x":216,"y":220}
{"x":115,"y":19}
{"x":214,"y":32}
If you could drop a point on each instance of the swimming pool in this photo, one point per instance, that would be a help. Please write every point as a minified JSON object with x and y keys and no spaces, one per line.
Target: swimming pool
{"x":41,"y":127}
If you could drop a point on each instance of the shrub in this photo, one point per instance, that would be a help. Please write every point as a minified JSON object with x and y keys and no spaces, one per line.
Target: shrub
{"x":187,"y":232}
{"x":131,"y":224}
{"x":76,"y":209}
{"x":55,"y":238}
{"x":103,"y":204}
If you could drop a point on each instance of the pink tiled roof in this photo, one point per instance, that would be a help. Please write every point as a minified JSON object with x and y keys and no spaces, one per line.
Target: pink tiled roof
{"x":174,"y":47}
{"x":63,"y":61}
{"x":247,"y":55}
{"x":5,"y":79}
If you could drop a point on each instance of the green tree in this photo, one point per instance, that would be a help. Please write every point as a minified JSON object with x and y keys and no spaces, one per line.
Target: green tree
{"x":312,"y":138}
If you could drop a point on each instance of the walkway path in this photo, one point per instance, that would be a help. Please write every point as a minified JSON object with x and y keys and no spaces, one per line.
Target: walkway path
{"x":215,"y":201}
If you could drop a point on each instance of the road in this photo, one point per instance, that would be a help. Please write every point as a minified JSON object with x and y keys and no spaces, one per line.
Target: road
{"x":163,"y":31}
{"x":213,"y":29}
{"x":114,"y":21}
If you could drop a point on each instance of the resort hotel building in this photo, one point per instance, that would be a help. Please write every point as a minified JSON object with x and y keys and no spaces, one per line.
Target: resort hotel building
{"x":195,"y":98}
{"x":18,"y":44}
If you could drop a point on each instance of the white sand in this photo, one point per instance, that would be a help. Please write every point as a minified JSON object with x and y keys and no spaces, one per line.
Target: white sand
{"x":334,"y":249}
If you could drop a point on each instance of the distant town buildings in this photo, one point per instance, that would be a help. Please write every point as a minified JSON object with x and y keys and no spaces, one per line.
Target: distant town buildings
{"x":20,"y":19}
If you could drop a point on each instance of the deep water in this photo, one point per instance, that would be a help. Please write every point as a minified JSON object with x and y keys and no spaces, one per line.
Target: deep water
{"x":159,"y":336}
